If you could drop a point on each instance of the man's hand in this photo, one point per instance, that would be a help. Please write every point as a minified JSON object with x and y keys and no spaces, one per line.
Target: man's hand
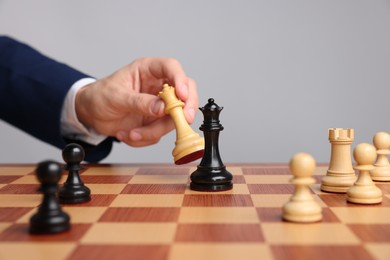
{"x":125,"y":104}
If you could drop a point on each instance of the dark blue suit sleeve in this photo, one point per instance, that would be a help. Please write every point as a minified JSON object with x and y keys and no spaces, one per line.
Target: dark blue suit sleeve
{"x":32,"y":90}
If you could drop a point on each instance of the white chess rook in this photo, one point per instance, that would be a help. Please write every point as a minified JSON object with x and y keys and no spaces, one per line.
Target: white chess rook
{"x":340,"y":175}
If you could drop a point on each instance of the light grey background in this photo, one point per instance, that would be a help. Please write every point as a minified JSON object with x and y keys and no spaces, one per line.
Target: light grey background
{"x":284,"y":71}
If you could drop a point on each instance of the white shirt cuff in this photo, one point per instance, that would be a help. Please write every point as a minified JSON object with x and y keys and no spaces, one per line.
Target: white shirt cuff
{"x":71,"y":127}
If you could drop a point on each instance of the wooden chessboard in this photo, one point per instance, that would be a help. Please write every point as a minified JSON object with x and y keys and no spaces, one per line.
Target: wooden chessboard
{"x":148,"y":212}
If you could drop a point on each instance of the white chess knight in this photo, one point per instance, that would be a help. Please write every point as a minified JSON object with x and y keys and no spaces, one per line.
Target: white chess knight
{"x":364,"y":190}
{"x":302,"y":207}
{"x":381,"y":172}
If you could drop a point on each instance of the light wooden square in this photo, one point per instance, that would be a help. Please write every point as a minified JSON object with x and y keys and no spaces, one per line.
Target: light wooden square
{"x":218,"y":215}
{"x":77,"y":214}
{"x":363,"y":215}
{"x":147,"y":200}
{"x":106,"y":188}
{"x":220,"y":251}
{"x":159,"y":179}
{"x":20,"y":200}
{"x":22,"y":250}
{"x":276,"y":200}
{"x":84,"y":214}
{"x":309,"y":234}
{"x":267,"y":179}
{"x":16,"y":170}
{"x":130,"y":233}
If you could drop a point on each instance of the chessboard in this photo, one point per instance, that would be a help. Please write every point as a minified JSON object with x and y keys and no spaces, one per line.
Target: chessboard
{"x":147,"y":211}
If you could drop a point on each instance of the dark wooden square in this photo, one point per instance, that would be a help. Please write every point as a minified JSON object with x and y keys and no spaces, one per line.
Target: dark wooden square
{"x":8,"y":214}
{"x":299,"y":252}
{"x":217,"y":200}
{"x":149,"y":252}
{"x":372,"y":232}
{"x":20,"y":189}
{"x":154,"y":189}
{"x":271,"y":188}
{"x":219,"y":233}
{"x":19,"y":233}
{"x":140,"y":215}
{"x":266,"y":171}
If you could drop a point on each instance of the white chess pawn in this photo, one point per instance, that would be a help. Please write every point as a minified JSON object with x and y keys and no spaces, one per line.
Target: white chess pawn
{"x":364,"y":190}
{"x":302,"y":207}
{"x":382,"y":166}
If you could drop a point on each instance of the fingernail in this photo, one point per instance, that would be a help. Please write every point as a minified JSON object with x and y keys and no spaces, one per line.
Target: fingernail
{"x":157,"y":107}
{"x":135,"y":136}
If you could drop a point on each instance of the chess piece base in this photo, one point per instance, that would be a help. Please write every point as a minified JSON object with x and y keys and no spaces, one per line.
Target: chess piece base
{"x":211,"y":179}
{"x":364,"y":195}
{"x":334,"y":189}
{"x":192,"y":156}
{"x":337,"y":184}
{"x":211,"y":186}
{"x":188,"y":149}
{"x":380,"y":174}
{"x":74,"y":195}
{"x":302,"y":212}
{"x":49,"y":224}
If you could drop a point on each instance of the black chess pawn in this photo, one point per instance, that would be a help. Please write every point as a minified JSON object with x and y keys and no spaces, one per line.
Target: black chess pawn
{"x":211,"y":173}
{"x":74,"y":190}
{"x":50,"y":218}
